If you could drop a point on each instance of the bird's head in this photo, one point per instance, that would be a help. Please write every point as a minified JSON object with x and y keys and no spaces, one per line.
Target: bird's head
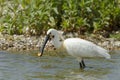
{"x":52,"y":35}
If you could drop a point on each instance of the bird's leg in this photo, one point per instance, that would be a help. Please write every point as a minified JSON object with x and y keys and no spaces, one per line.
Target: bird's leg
{"x":82,"y":64}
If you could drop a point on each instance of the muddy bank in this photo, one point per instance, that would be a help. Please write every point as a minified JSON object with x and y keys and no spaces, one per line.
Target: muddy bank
{"x":21,"y":42}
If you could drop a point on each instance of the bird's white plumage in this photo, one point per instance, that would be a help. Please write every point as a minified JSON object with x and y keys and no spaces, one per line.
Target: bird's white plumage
{"x":82,"y":48}
{"x":77,"y":47}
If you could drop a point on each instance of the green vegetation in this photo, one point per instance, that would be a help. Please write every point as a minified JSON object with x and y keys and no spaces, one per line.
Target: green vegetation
{"x":115,"y":35}
{"x":36,"y":16}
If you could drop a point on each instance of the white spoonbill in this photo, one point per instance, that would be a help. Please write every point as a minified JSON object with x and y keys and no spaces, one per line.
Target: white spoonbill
{"x":75,"y":47}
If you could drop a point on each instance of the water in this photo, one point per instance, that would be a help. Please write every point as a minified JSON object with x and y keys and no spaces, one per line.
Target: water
{"x":27,"y":66}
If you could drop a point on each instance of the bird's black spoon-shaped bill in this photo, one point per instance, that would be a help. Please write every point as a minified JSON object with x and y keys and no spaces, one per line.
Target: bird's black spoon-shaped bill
{"x":43,"y":46}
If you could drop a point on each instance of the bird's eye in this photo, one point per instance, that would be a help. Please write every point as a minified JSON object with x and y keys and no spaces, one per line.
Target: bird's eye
{"x":53,"y":36}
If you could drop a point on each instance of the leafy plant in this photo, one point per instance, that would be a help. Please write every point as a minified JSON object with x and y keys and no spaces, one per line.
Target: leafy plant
{"x":33,"y":17}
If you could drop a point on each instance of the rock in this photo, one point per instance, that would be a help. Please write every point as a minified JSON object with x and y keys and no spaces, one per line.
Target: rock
{"x":21,"y":42}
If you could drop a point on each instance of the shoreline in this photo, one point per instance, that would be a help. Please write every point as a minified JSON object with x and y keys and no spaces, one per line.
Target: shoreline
{"x":22,"y":42}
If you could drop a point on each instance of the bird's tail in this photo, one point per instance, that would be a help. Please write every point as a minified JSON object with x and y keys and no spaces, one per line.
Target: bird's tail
{"x":107,"y":56}
{"x":104,"y":53}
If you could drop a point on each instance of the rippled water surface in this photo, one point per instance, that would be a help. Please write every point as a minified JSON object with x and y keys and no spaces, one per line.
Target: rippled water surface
{"x":27,"y":66}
